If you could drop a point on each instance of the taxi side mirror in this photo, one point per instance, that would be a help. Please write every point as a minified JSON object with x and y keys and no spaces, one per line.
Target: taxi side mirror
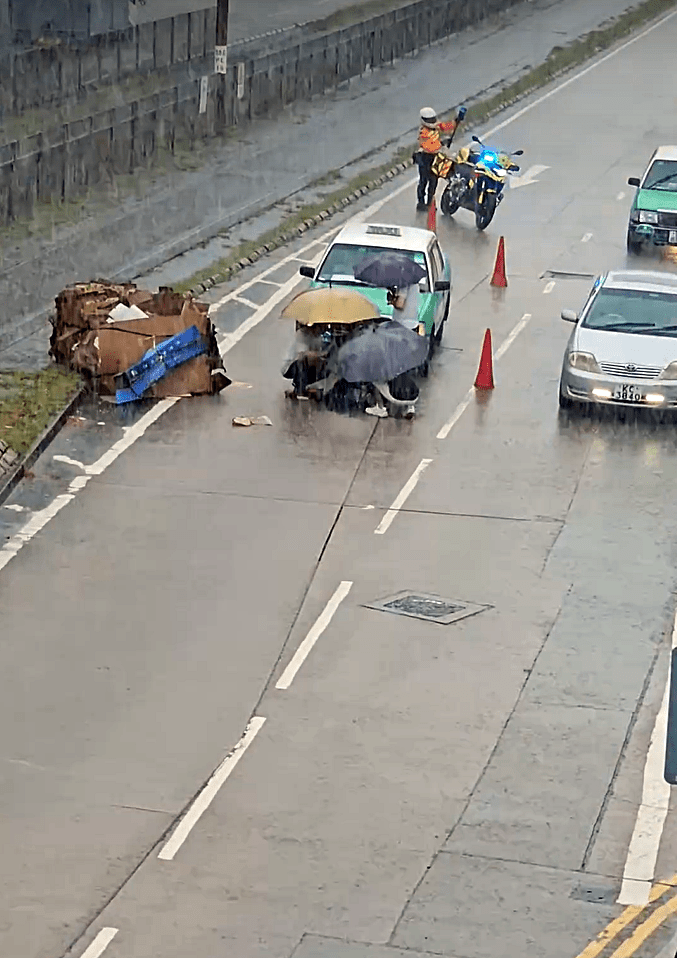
{"x":307,"y":271}
{"x":633,"y":181}
{"x":569,"y":316}
{"x":442,"y":286}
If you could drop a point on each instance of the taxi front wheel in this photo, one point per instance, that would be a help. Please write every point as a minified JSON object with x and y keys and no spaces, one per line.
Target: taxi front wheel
{"x":634,"y":248}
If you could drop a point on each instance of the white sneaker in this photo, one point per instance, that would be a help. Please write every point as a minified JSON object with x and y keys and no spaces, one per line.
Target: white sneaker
{"x":379,"y":411}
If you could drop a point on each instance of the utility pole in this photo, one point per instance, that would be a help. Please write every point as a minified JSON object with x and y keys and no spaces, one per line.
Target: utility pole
{"x":221,"y":45}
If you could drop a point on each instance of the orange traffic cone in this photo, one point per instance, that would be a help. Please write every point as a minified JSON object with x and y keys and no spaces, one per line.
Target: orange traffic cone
{"x":485,"y":373}
{"x":432,"y":217}
{"x":499,"y":278}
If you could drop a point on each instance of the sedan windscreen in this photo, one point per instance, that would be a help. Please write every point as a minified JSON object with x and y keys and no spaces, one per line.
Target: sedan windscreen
{"x":344,"y":258}
{"x":662,"y":175}
{"x":633,"y":311}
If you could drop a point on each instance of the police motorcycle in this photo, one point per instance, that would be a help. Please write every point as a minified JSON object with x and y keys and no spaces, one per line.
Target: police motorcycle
{"x":476,"y":176}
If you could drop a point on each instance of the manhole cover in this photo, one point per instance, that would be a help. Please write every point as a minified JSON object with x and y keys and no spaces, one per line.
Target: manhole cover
{"x":423,"y":605}
{"x":595,"y":894}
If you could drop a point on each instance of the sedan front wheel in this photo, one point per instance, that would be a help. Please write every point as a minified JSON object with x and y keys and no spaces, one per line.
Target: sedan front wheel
{"x":564,"y":401}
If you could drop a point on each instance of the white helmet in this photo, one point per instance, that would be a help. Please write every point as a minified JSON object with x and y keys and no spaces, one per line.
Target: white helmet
{"x":428,"y":115}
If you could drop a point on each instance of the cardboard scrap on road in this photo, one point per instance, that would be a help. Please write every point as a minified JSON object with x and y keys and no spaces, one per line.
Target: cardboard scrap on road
{"x":246,"y":421}
{"x":101,"y":329}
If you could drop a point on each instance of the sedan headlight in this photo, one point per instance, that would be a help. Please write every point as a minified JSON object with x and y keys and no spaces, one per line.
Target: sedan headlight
{"x":586,"y":362}
{"x":670,"y":372}
{"x":645,"y":216}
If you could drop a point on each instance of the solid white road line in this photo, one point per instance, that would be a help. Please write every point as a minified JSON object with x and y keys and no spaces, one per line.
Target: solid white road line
{"x":100,"y":943}
{"x":581,"y":74}
{"x":131,"y":434}
{"x":306,"y":647}
{"x":640,"y":864}
{"x":34,"y":525}
{"x":407,"y":490}
{"x":502,"y":350}
{"x":210,"y":791}
{"x":16,"y":543}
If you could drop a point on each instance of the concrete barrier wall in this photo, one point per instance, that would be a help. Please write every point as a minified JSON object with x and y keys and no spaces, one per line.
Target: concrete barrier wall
{"x":55,"y":75}
{"x":63,"y":163}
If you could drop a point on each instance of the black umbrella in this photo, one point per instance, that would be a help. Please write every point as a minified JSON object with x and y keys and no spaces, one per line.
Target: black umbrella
{"x":380,"y":353}
{"x":389,"y":270}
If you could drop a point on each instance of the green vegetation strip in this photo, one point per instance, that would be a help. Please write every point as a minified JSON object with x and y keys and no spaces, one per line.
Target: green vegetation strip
{"x":559,"y":61}
{"x":355,"y":13}
{"x":29,"y":402}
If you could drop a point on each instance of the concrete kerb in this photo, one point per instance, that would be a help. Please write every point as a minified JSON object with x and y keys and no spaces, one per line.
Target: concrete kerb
{"x":8,"y":485}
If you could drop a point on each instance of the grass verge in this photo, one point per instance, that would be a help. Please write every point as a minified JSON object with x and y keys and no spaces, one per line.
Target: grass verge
{"x":355,"y":13}
{"x":29,"y":402}
{"x":560,"y":60}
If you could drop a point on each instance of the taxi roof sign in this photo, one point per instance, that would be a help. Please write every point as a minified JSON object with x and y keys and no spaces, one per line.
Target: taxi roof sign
{"x":384,"y":230}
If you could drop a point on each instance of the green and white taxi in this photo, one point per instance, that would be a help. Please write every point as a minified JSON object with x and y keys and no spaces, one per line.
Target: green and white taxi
{"x":653,"y":217}
{"x":356,"y":243}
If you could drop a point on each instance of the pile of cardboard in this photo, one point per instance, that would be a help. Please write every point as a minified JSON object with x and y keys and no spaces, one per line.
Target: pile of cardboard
{"x":102,"y":329}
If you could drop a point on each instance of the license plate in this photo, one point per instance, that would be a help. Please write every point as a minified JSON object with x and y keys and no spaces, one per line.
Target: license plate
{"x":627,"y":393}
{"x":672,"y":237}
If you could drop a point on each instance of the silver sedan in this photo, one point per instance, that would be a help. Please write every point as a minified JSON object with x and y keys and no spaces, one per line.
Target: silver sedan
{"x":623,"y":349}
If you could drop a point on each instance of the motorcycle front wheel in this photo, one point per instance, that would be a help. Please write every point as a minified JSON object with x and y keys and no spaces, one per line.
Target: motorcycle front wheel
{"x":449,"y":204}
{"x":484,"y":214}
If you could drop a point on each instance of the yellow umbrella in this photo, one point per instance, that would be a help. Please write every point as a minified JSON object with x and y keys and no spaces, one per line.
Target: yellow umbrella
{"x":333,"y":305}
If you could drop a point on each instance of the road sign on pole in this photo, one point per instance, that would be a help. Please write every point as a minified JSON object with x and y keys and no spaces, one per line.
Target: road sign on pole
{"x":220,"y":59}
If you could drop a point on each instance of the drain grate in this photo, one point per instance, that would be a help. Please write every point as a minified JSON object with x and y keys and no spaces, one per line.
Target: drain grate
{"x":565,"y":274}
{"x":424,"y":605}
{"x":595,"y":894}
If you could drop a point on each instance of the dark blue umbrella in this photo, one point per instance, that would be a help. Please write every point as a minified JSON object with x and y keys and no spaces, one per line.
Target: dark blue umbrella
{"x":380,"y":353}
{"x":389,"y":270}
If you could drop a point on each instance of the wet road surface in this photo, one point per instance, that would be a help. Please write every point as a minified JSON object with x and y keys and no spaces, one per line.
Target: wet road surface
{"x":465,"y":790}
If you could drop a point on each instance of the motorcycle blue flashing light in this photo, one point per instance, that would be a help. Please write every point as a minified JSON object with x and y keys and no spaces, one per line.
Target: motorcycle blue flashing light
{"x":489,"y":158}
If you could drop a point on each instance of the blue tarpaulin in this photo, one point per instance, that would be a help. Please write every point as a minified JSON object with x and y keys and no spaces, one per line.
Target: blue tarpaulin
{"x":159,"y":361}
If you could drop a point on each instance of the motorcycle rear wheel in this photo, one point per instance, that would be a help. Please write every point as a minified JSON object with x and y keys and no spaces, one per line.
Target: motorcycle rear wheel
{"x":484,"y":214}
